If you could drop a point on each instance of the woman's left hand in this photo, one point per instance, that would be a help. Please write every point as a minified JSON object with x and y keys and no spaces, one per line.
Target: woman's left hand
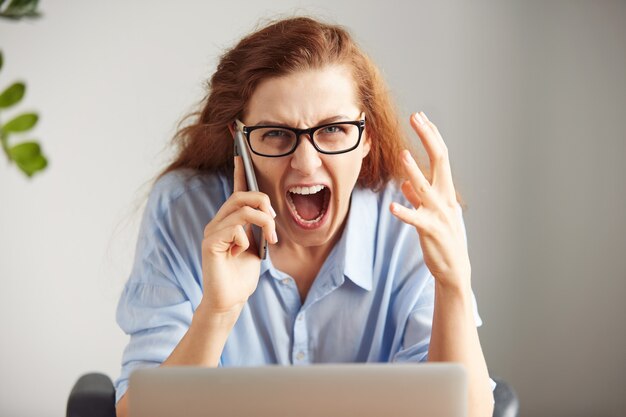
{"x":435,"y":213}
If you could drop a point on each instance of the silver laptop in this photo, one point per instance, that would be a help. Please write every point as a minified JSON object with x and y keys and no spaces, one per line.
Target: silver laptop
{"x":363,"y":390}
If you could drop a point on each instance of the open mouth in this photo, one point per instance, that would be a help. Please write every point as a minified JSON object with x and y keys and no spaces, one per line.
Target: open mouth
{"x":308,"y":205}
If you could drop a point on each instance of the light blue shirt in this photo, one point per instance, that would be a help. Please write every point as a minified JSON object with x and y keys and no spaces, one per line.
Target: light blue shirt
{"x":372,"y":300}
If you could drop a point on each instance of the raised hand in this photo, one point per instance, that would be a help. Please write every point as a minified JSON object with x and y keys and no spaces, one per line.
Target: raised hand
{"x":435,"y":213}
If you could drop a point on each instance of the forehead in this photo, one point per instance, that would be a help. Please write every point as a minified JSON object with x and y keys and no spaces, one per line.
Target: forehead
{"x":305,"y":97}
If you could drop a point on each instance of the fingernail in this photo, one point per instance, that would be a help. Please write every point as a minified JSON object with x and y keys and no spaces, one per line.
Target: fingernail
{"x":424,"y":116}
{"x":274,"y":237}
{"x":273,"y":212}
{"x":407,"y":157}
{"x":419,"y":118}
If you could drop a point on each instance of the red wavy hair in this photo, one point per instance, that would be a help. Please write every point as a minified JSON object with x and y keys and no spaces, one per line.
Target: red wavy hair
{"x":284,"y":47}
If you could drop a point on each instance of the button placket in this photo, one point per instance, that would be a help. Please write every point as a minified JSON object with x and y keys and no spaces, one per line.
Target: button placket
{"x":300,"y":340}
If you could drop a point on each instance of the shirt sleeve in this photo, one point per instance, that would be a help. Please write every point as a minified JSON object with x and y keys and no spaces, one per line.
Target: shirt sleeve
{"x":419,"y":325}
{"x":156,"y":316}
{"x":164,"y":287}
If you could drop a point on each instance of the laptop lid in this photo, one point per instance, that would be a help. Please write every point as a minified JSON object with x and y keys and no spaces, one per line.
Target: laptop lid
{"x":329,"y":390}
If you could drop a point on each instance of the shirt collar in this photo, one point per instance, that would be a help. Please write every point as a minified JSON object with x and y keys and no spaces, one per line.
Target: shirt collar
{"x":354,"y":254}
{"x":358,"y":240}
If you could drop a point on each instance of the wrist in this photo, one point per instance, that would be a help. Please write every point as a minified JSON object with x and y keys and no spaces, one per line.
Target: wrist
{"x":205,"y":339}
{"x":208,"y":316}
{"x":458,"y":284}
{"x":456,"y":297}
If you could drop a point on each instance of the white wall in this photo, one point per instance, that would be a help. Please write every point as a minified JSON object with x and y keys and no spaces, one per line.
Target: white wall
{"x":530,"y":97}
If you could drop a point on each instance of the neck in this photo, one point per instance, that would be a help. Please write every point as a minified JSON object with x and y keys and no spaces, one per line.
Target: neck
{"x":287,"y":254}
{"x":304,"y":254}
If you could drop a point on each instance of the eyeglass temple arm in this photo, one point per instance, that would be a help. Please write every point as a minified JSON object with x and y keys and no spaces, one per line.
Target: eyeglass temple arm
{"x":238,"y":125}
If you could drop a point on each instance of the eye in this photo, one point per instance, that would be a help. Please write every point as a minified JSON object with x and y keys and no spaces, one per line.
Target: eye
{"x":276,"y":133}
{"x":333,"y":129}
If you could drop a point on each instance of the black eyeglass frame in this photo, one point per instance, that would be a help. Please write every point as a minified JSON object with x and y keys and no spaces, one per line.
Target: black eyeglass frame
{"x":360,"y":124}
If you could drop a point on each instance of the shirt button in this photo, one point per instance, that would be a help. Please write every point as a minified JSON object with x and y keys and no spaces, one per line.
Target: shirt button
{"x":286,"y":281}
{"x":300,"y":317}
{"x":300,"y":356}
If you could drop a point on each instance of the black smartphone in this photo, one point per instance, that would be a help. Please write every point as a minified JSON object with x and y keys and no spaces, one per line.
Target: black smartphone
{"x":241,"y":149}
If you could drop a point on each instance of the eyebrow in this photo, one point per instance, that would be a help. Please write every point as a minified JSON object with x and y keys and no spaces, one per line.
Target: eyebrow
{"x":331,"y":119}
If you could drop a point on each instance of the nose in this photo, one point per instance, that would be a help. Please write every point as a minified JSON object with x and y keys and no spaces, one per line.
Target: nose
{"x":305,"y":158}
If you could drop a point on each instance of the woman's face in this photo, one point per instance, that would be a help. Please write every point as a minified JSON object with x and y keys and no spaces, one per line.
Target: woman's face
{"x":309,"y":191}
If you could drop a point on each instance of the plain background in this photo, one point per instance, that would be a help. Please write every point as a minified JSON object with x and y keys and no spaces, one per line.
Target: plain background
{"x":529,"y":96}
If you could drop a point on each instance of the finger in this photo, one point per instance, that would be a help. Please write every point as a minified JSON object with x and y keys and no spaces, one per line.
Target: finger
{"x":446,"y":177}
{"x":240,"y":242}
{"x":239,"y":180}
{"x":407,"y":215}
{"x":410,"y":194}
{"x":416,"y":178}
{"x":239,"y":199}
{"x":433,"y":127}
{"x":247,"y":215}
{"x":228,"y":239}
{"x":429,"y":139}
{"x":436,"y":149}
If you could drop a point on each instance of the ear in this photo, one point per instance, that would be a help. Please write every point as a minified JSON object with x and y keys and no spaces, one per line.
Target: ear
{"x":231,"y":128}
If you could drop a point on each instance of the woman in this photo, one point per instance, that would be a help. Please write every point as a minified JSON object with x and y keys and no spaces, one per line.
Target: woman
{"x":359,"y":269}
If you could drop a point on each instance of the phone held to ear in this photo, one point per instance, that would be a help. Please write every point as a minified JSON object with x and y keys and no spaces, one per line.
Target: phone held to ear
{"x":241,"y":149}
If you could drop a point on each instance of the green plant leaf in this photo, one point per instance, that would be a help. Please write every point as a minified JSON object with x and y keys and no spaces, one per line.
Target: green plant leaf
{"x":21,"y":8}
{"x":24,"y":151}
{"x":12,"y":95}
{"x":38,"y":163}
{"x":28,"y":157}
{"x":21,"y":123}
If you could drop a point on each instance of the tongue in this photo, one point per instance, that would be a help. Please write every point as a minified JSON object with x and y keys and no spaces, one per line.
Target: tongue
{"x":308,"y":206}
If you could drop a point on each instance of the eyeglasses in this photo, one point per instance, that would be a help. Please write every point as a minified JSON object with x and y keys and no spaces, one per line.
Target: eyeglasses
{"x":331,"y":138}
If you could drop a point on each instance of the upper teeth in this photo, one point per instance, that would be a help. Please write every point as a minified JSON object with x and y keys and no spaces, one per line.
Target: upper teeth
{"x":307,"y":190}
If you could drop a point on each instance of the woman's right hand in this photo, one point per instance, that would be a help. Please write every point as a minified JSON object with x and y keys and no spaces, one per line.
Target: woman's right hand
{"x":230,"y":260}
